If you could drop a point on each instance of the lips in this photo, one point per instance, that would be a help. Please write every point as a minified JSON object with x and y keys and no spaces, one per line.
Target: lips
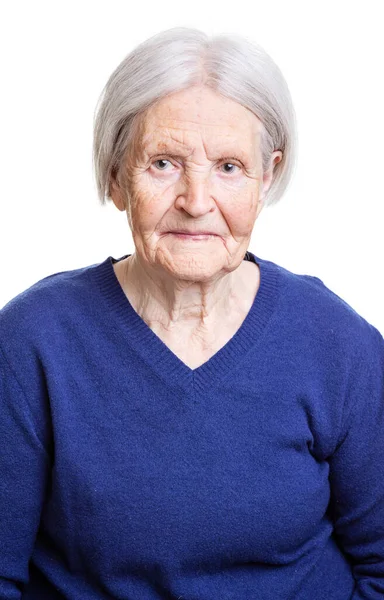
{"x":185,"y":232}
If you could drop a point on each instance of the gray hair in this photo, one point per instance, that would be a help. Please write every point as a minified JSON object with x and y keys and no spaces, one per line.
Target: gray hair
{"x":176,"y":59}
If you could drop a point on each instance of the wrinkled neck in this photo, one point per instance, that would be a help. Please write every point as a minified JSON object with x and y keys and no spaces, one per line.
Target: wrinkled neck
{"x":161,"y":300}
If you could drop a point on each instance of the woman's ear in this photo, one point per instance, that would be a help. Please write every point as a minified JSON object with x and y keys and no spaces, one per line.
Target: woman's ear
{"x":120,"y":200}
{"x":117,"y":195}
{"x":268,"y":175}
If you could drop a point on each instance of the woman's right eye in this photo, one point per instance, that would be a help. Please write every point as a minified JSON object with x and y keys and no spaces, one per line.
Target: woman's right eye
{"x":161,"y":160}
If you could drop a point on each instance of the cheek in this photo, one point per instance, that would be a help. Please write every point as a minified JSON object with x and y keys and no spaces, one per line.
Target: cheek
{"x":240,"y":210}
{"x":146,"y":207}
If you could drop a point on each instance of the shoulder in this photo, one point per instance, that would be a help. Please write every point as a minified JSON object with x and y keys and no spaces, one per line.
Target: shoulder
{"x":34,"y":311}
{"x":320,"y":314}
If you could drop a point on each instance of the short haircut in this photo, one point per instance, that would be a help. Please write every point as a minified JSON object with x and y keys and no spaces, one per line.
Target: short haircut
{"x":176,"y":59}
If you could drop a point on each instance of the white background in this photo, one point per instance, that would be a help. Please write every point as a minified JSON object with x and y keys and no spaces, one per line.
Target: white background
{"x":56,"y":58}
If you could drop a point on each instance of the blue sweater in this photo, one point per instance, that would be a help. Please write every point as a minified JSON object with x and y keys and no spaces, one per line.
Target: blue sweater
{"x":125,"y":474}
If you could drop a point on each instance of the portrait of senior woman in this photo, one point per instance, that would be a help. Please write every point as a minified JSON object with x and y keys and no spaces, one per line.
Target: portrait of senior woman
{"x":191,"y":421}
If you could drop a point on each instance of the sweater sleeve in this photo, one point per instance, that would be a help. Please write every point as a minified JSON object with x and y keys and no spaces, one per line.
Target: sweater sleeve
{"x":24,"y":470}
{"x":357,"y":472}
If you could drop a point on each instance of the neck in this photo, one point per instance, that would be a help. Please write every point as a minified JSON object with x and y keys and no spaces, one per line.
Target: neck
{"x":169,"y":304}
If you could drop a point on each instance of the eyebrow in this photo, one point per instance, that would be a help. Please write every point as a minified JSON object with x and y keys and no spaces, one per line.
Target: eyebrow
{"x":166,"y":147}
{"x":174,"y":152}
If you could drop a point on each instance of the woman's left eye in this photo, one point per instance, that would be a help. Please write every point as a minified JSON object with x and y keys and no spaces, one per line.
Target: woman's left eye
{"x":232,"y":165}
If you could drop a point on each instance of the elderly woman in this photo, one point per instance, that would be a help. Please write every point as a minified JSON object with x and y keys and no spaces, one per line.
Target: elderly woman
{"x":191,"y":421}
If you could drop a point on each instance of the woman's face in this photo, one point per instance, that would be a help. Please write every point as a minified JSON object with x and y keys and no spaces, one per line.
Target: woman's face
{"x":195,"y":166}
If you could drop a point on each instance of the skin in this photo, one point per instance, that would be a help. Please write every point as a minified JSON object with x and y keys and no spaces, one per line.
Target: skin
{"x":195,"y":165}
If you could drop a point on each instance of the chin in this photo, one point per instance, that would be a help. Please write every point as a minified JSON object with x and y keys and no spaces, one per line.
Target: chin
{"x":193,"y":268}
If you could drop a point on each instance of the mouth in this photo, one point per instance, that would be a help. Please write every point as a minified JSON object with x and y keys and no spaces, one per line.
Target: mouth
{"x":192,"y":236}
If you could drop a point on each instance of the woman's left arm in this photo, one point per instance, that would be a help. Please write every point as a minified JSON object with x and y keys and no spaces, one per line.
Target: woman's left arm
{"x":357,"y":473}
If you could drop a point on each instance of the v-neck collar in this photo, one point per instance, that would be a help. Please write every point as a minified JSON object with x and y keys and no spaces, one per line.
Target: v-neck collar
{"x":161,"y":358}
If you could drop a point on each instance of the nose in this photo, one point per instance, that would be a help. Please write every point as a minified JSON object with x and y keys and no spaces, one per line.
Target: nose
{"x":195,"y":197}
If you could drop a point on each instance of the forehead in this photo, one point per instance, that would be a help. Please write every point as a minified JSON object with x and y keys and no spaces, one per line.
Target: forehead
{"x":197,"y":116}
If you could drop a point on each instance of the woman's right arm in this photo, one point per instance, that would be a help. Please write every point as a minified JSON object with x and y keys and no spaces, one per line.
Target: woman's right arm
{"x":25,"y":464}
